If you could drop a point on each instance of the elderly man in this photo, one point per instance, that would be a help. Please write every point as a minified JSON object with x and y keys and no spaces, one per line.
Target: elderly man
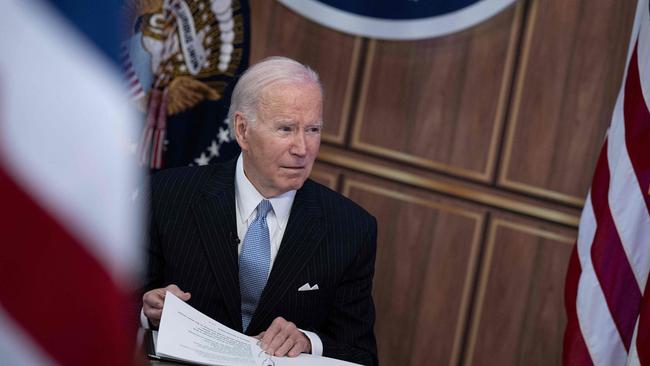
{"x":300,"y":278}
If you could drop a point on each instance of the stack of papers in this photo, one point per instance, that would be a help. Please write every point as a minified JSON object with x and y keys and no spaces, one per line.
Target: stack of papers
{"x":185,"y":334}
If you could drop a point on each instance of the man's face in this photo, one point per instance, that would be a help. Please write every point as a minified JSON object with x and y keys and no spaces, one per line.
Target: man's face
{"x":280,"y":148}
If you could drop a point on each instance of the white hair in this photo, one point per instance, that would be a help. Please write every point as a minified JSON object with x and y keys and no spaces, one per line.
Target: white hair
{"x":271,"y":71}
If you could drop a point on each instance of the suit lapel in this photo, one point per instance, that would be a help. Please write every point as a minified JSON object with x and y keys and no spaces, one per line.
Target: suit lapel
{"x":214,"y":211}
{"x":302,"y":236}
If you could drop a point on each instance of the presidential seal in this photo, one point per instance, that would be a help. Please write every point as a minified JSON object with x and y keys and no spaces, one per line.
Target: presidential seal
{"x":397,"y":19}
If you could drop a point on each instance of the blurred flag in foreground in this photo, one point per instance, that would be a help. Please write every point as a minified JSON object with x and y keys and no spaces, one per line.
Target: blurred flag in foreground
{"x":69,"y":227}
{"x":607,"y":292}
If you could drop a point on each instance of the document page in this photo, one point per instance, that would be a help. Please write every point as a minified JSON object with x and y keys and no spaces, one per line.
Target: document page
{"x":187,"y":334}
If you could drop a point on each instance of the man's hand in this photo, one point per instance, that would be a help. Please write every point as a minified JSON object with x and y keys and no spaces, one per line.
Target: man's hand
{"x":152,"y":302}
{"x":283,"y":338}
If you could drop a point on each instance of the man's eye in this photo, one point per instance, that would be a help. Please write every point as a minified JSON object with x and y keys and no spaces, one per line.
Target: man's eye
{"x":285,"y":129}
{"x":314,"y":130}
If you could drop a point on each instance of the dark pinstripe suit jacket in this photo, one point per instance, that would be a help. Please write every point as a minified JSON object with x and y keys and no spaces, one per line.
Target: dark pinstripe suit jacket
{"x":329,"y":241}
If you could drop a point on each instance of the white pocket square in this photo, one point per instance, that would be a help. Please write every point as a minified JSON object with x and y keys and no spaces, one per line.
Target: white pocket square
{"x":306,"y":287}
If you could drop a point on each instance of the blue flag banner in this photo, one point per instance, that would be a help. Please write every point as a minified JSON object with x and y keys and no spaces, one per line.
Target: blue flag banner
{"x":182,"y":60}
{"x":99,"y":21}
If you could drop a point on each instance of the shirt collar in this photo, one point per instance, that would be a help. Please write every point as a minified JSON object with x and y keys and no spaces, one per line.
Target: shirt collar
{"x":248,"y":197}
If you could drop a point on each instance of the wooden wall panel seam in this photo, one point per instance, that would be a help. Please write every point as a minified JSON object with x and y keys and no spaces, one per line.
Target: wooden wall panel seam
{"x":468,"y":286}
{"x":505,"y":96}
{"x":535,"y":231}
{"x":542,"y":192}
{"x":352,"y":183}
{"x":480,"y":292}
{"x":451,"y":189}
{"x":365,"y":82}
{"x":339,"y":138}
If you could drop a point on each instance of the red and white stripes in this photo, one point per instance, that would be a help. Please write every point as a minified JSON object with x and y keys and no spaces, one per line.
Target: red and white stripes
{"x":69,"y":228}
{"x":135,"y":87}
{"x":607,"y":278}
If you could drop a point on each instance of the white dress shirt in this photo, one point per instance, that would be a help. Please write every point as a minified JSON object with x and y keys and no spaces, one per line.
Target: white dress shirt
{"x":247,"y":198}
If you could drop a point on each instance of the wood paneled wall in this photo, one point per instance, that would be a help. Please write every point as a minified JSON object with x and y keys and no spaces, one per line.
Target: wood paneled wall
{"x":475,"y":152}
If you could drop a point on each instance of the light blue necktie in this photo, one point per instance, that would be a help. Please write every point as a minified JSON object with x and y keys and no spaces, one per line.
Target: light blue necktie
{"x":254,"y":263}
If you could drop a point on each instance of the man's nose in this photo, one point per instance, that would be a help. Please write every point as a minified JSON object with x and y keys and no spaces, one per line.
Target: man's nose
{"x":299,"y":145}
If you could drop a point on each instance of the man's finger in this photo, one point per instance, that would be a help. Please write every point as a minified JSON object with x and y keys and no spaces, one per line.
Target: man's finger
{"x":298,"y":348}
{"x":152,"y":313}
{"x":282,"y":332}
{"x":178,"y":292}
{"x":174,"y":289}
{"x":277,"y":342}
{"x":154,"y":298}
{"x":270,"y":333}
{"x":285,"y":347}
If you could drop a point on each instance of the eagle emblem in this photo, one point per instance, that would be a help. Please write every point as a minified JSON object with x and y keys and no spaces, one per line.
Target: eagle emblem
{"x":180,"y":53}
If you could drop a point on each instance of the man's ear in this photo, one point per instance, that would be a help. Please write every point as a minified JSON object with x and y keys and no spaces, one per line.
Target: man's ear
{"x":241,"y":127}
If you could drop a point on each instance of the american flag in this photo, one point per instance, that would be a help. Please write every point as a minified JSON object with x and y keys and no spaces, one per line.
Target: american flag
{"x":69,"y":227}
{"x":607,"y":293}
